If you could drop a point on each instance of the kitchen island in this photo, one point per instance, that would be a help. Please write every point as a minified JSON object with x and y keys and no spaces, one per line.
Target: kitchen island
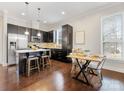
{"x":27,"y":51}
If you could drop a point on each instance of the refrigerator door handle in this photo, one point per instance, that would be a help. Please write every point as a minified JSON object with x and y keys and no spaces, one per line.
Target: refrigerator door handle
{"x":12,"y":44}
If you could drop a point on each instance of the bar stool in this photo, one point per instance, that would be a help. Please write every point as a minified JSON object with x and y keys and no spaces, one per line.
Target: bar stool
{"x":31,"y":67}
{"x":45,"y":61}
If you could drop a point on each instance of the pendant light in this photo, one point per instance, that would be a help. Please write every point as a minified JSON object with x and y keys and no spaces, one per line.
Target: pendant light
{"x":26,"y":3}
{"x":38,"y":34}
{"x":26,"y":32}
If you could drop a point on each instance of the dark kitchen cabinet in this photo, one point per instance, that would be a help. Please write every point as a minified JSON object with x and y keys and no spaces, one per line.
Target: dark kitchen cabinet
{"x":45,"y":37}
{"x":12,"y":29}
{"x":48,"y":36}
{"x":21,"y":30}
{"x":59,"y":54}
{"x":67,"y":37}
{"x":15,"y":29}
{"x":29,"y":36}
{"x":34,"y":37}
{"x":67,"y":44}
{"x":34,"y":32}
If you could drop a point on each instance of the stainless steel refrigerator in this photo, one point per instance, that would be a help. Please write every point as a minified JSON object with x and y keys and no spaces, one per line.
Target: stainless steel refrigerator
{"x":15,"y":42}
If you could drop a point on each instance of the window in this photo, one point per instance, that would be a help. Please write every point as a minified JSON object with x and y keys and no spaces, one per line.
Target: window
{"x":112,"y":36}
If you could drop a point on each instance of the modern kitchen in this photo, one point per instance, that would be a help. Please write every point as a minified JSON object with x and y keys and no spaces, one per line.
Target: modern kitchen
{"x":61,"y":46}
{"x":21,"y":43}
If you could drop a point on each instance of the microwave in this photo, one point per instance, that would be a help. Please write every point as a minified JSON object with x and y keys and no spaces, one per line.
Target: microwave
{"x":36,"y":39}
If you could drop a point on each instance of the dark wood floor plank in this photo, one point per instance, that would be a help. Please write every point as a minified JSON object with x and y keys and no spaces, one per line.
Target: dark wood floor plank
{"x":57,"y":78}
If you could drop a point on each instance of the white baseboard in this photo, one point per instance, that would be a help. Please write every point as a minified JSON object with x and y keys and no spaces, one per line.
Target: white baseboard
{"x":115,"y":65}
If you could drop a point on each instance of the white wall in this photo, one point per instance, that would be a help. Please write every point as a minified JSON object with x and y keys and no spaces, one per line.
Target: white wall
{"x":91,"y":24}
{"x":1,"y":39}
{"x":4,"y":37}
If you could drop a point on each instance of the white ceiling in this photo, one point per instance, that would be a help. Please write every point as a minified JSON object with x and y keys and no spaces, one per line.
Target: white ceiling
{"x":50,"y":11}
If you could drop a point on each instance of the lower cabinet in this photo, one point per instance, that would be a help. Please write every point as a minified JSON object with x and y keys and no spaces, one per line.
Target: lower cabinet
{"x":60,"y":54}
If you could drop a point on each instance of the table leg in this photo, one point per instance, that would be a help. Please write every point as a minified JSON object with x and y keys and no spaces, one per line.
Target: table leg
{"x":82,"y":70}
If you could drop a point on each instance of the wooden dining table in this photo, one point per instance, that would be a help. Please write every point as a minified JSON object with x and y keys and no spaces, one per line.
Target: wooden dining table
{"x":87,"y":59}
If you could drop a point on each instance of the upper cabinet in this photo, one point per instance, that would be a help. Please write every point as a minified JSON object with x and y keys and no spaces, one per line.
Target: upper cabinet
{"x":67,"y":37}
{"x":35,"y":37}
{"x":48,"y":36}
{"x":29,"y":36}
{"x":45,"y":36}
{"x":12,"y":29}
{"x":21,"y":30}
{"x":33,"y":33}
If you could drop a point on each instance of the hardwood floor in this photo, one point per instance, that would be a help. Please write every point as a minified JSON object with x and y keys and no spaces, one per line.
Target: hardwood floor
{"x":57,"y":77}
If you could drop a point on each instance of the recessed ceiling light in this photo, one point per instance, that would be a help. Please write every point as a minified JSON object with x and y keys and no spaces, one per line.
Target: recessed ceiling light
{"x":63,"y":13}
{"x":23,"y":14}
{"x":44,"y":21}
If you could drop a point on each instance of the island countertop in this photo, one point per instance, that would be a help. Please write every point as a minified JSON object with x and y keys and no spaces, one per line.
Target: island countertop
{"x":31,"y":50}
